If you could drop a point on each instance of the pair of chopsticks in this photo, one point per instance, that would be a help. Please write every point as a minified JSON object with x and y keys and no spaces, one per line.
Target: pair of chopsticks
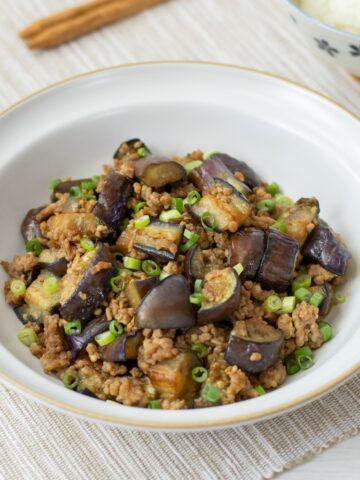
{"x":74,"y":22}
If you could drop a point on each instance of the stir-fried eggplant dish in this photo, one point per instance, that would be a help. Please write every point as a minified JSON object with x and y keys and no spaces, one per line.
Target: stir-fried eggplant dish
{"x":174,"y":283}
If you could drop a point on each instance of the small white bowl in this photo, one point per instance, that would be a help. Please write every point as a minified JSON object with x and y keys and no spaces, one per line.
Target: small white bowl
{"x":327,"y":42}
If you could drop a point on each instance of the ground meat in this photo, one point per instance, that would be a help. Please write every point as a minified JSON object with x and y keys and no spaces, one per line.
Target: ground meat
{"x":256,"y":291}
{"x":304,"y":318}
{"x":55,"y":356}
{"x":182,"y":190}
{"x":93,"y":380}
{"x":259,"y":219}
{"x":119,"y":310}
{"x":52,"y":208}
{"x":178,"y":404}
{"x":113,"y":368}
{"x":155,"y":349}
{"x":127,"y":390}
{"x":215,"y":338}
{"x":20,"y":265}
{"x":320,"y":275}
{"x":172,"y":268}
{"x":288,"y":348}
{"x":274,"y":376}
{"x":125,"y":167}
{"x":248,"y":308}
{"x":101,"y":266}
{"x":155,"y":201}
{"x":259,"y":193}
{"x":286,"y":325}
{"x":93,"y":352}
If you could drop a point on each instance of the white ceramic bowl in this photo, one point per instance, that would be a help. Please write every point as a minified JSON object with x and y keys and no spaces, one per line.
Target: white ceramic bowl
{"x":287,"y":133}
{"x":327,"y":42}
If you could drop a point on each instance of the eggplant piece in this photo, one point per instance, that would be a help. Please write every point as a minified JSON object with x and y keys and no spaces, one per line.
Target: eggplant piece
{"x":221,"y":296}
{"x":172,"y":378}
{"x":324,"y":248}
{"x":123,"y":348}
{"x":38,"y":303}
{"x":84,"y":224}
{"x":194,"y":264}
{"x":254,"y":346}
{"x":278,"y":263}
{"x":78,"y":343}
{"x":328,"y":291}
{"x":203,"y":177}
{"x":160,"y":240}
{"x":64,"y":187}
{"x":297,"y":219}
{"x":137,"y":289}
{"x":141,"y":164}
{"x":82,"y":291}
{"x":54,"y":261}
{"x":229,"y":214}
{"x":30,"y":227}
{"x":247,"y":247}
{"x":251,"y":178}
{"x":167,"y":305}
{"x":158,"y":175}
{"x":112,"y":203}
{"x":133,"y":145}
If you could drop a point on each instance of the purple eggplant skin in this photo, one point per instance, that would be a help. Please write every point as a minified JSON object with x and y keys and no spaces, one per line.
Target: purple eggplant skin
{"x":247,"y":247}
{"x":260,"y":338}
{"x":278,"y":262}
{"x":324,"y":248}
{"x":78,"y":343}
{"x":136,"y":290}
{"x":131,"y":146}
{"x":167,"y":305}
{"x":123,"y":348}
{"x":95,"y":286}
{"x":147,"y":239}
{"x":141,"y":164}
{"x":194,"y":264}
{"x":64,"y":187}
{"x":158,"y":175}
{"x":251,"y":178}
{"x":50,"y":260}
{"x":111,"y":206}
{"x":228,"y":284}
{"x":328,"y":291}
{"x":30,"y":227}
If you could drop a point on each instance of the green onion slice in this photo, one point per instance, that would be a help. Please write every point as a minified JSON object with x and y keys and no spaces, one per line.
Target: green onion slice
{"x":291,"y":365}
{"x":105,"y":338}
{"x":34,"y":246}
{"x":87,"y":244}
{"x":273,"y":304}
{"x":116,"y":328}
{"x":210,"y":154}
{"x":72,"y":328}
{"x":192,"y":198}
{"x":208,"y":221}
{"x":142,"y":222}
{"x":316,"y":299}
{"x":340,"y":297}
{"x":199,"y":374}
{"x":193,"y":238}
{"x":273,"y":188}
{"x":88,"y":186}
{"x":326,"y":331}
{"x":198,"y":285}
{"x":304,"y":357}
{"x":139,"y":206}
{"x":265,"y":205}
{"x":154,"y":404}
{"x":302,"y":281}
{"x":151,"y":268}
{"x":51,"y":285}
{"x":279,"y":225}
{"x":200,"y":348}
{"x":167,"y":215}
{"x":17,"y":287}
{"x":288,"y":304}
{"x":123,"y":225}
{"x":27,"y":336}
{"x":54,"y":183}
{"x":142,"y":152}
{"x":302,"y":294}
{"x":196,"y":298}
{"x":177,"y":204}
{"x":191,"y":165}
{"x":132,"y":263}
{"x":117,"y":284}
{"x":283,"y":201}
{"x":95,"y":179}
{"x":75,"y":191}
{"x":71,"y":380}
{"x":164,"y":275}
{"x":260,"y":390}
{"x":210,"y":393}
{"x":239,"y":268}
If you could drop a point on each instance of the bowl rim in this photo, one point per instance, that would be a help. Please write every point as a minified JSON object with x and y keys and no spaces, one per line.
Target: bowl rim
{"x":352,"y":35}
{"x":177,"y":425}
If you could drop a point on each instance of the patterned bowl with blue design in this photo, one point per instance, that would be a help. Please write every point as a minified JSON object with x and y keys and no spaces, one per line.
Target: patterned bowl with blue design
{"x":330,"y":43}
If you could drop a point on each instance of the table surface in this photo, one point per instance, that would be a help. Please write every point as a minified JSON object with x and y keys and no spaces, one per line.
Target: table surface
{"x":261,"y":44}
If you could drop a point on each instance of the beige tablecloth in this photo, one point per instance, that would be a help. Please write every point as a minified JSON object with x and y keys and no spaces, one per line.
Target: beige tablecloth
{"x":38,"y":443}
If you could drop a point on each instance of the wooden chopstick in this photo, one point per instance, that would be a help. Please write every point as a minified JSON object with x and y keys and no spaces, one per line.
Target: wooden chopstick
{"x":73,"y":23}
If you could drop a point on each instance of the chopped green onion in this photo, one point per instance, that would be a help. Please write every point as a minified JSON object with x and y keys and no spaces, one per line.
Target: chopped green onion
{"x":190,"y":243}
{"x":75,"y":191}
{"x":71,"y":380}
{"x":291,"y":365}
{"x":132,"y":263}
{"x":121,"y":271}
{"x":260,"y":390}
{"x":164,"y":275}
{"x":177,"y":204}
{"x":273,"y":188}
{"x":142,"y":222}
{"x":326,"y":331}
{"x":167,"y":215}
{"x":191,"y":165}
{"x":340,"y":297}
{"x":199,"y":374}
{"x":151,"y":268}
{"x":17,"y":287}
{"x":210,"y":154}
{"x":273,"y":304}
{"x":208,"y":221}
{"x":154,"y":404}
{"x":34,"y":246}
{"x":72,"y":328}
{"x":239,"y":268}
{"x":105,"y":338}
{"x":196,"y":298}
{"x":302,"y":281}
{"x":302,"y":294}
{"x":200,"y":348}
{"x":211,"y":393}
{"x":116,"y":328}
{"x":187,"y":233}
{"x":124,"y":224}
{"x":87,"y":196}
{"x":192,"y":197}
{"x":288,"y":304}
{"x":54,"y":183}
{"x":139,"y":206}
{"x":117,"y":284}
{"x":279,"y":225}
{"x":27,"y":336}
{"x":316,"y":299}
{"x":95,"y":179}
{"x":88,"y":186}
{"x":51,"y":285}
{"x":118,"y":255}
{"x":87,"y":244}
{"x":265,"y":205}
{"x":283,"y":201}
{"x":198,"y":285}
{"x":142,"y":152}
{"x":304,"y":357}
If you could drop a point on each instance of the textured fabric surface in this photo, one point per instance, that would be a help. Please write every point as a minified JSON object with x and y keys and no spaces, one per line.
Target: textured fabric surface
{"x":39,"y":443}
